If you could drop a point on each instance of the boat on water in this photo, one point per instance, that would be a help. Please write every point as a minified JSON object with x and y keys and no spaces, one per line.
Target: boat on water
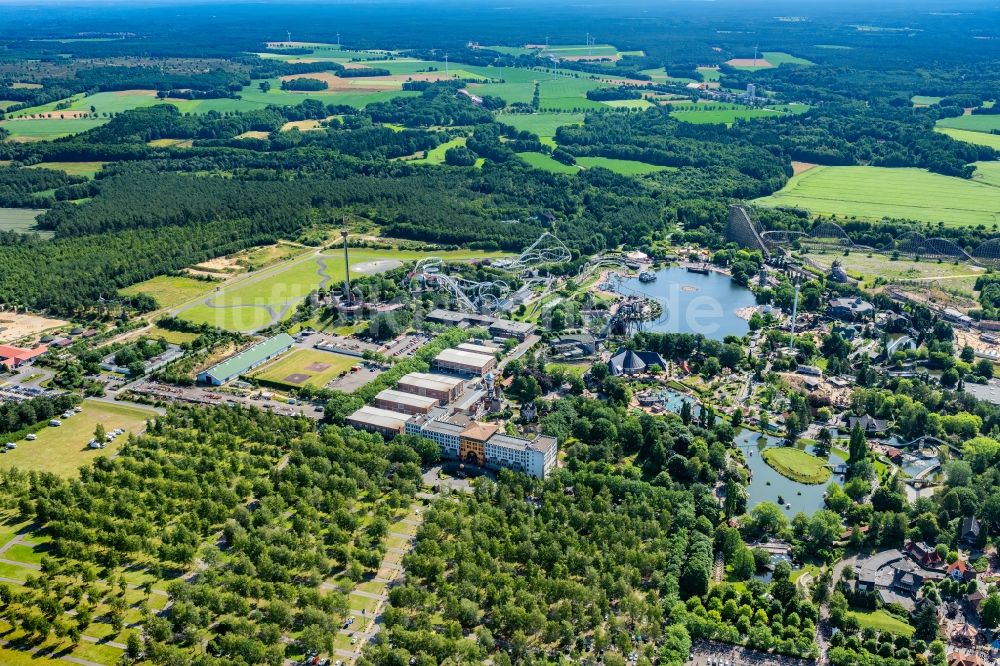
{"x":702,"y":269}
{"x":647,"y":276}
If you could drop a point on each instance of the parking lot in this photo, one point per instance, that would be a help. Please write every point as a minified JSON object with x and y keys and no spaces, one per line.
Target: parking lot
{"x":710,"y":653}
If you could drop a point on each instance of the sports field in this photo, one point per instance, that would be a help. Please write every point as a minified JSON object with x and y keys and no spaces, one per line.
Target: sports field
{"x":906,"y":193}
{"x":63,"y":450}
{"x":303,"y":367}
{"x":970,"y":136}
{"x":983,"y":123}
{"x":171,"y":290}
{"x":796,"y":464}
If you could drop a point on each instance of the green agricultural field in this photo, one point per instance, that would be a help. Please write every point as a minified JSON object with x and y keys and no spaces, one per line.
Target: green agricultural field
{"x":306,"y":367}
{"x":796,"y":464}
{"x":49,"y":128}
{"x":721,"y":116}
{"x":925,"y":100}
{"x":547,"y":163}
{"x":63,"y":450}
{"x":511,"y":50}
{"x":576,"y":50}
{"x":624,"y":167}
{"x":882,"y":621}
{"x":969,"y":136}
{"x":18,"y":219}
{"x":629,"y":103}
{"x":709,"y":73}
{"x":987,"y":172}
{"x":982,"y":123}
{"x":171,"y":290}
{"x":436,"y":155}
{"x":906,"y":193}
{"x":777,"y":58}
{"x":567,"y":94}
{"x":542,"y":124}
{"x":87,"y":169}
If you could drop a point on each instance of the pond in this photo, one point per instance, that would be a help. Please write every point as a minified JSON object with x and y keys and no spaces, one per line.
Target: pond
{"x":693,"y":302}
{"x":767,"y":485}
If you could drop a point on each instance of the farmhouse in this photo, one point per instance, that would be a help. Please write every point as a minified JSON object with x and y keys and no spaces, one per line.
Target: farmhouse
{"x":462,"y":362}
{"x":15,"y":357}
{"x":246,"y":360}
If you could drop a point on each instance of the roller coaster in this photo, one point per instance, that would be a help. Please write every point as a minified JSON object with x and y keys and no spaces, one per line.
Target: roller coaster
{"x":496,"y":295}
{"x":744,"y":229}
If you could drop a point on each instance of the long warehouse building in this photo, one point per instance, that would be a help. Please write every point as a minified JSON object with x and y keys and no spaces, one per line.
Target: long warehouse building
{"x":406,"y":403}
{"x":443,"y":388}
{"x":246,"y":360}
{"x":466,"y":363}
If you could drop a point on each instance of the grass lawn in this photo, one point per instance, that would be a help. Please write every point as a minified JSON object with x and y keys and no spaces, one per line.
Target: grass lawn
{"x":777,"y":58}
{"x":969,"y":136}
{"x":796,"y":464}
{"x":436,"y":155}
{"x":306,"y":363}
{"x":881,"y":621}
{"x":874,"y":193}
{"x":925,"y":100}
{"x":980,"y":123}
{"x":49,"y":128}
{"x":173,"y":337}
{"x":542,"y":124}
{"x":629,"y":103}
{"x":87,"y":169}
{"x":624,"y":167}
{"x":18,"y":219}
{"x":171,"y":290}
{"x":692,"y":114}
{"x":63,"y":450}
{"x":547,"y":163}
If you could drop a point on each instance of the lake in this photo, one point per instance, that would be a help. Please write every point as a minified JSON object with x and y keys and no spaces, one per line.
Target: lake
{"x":693,"y":302}
{"x":767,"y":484}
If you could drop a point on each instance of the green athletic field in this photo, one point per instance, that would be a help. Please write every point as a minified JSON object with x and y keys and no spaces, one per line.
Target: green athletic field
{"x":907,"y":193}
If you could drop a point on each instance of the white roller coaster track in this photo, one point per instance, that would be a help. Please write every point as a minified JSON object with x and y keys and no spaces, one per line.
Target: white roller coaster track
{"x":489,"y":295}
